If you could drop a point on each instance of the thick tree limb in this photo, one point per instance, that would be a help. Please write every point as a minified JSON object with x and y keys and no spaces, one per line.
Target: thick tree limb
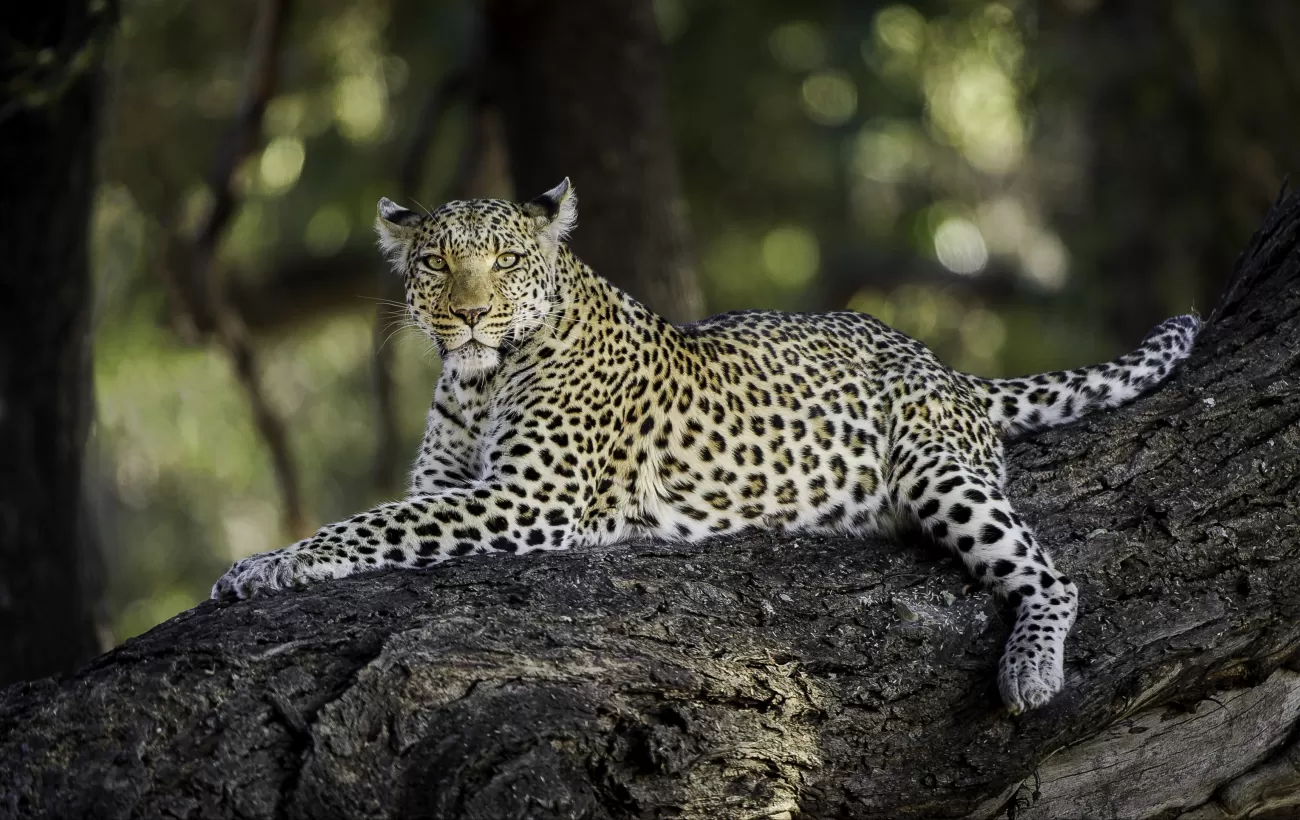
{"x":763,"y":677}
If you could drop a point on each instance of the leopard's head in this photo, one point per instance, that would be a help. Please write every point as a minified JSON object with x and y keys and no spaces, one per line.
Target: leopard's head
{"x":479,"y":273}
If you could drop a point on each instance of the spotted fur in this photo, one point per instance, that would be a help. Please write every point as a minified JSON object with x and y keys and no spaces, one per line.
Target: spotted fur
{"x":569,"y":415}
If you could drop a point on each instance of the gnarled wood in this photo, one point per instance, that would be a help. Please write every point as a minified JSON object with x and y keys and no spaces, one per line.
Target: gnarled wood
{"x":761,"y":677}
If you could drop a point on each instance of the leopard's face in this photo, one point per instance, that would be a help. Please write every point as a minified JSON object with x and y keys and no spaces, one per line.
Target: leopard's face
{"x":480,"y":274}
{"x":477,"y":279}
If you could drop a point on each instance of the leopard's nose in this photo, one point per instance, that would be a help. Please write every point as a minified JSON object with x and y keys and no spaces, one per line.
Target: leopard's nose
{"x":471,"y":315}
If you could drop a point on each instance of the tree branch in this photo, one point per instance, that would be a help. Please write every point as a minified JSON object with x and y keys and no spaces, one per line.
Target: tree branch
{"x":201,"y":297}
{"x":760,"y":677}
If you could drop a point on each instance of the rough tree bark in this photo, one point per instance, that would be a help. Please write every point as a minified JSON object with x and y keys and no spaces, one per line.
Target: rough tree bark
{"x":580,"y":85}
{"x":49,"y":117}
{"x":764,"y":677}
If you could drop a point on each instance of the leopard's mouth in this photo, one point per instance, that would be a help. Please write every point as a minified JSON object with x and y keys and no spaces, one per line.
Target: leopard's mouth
{"x":469,"y":343}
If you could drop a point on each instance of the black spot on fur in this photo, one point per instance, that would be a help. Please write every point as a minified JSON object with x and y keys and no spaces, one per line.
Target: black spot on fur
{"x":990,"y":534}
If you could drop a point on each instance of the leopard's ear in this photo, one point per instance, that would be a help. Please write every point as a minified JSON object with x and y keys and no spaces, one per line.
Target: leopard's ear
{"x":556,"y":212}
{"x":396,"y":227}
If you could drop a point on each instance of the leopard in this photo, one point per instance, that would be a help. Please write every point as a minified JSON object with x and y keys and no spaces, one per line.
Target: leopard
{"x":569,"y":415}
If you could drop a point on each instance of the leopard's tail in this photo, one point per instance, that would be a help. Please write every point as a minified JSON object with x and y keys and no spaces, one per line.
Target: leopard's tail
{"x":1052,"y":399}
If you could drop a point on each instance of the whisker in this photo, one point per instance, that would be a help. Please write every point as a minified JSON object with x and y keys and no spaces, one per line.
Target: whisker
{"x":390,"y":315}
{"x":397,"y":321}
{"x":401,"y":327}
{"x":381,"y":301}
{"x":393,"y":314}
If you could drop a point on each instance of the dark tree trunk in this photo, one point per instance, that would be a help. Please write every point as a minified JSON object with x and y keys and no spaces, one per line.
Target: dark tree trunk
{"x":763,"y":677}
{"x":580,"y":85}
{"x":49,"y":114}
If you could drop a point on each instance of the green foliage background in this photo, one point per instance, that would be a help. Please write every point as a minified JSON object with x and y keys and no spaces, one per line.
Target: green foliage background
{"x":1023,"y":186}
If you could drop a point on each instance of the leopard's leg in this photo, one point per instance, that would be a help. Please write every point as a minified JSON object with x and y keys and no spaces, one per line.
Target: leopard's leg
{"x":421,"y":530}
{"x":964,"y":508}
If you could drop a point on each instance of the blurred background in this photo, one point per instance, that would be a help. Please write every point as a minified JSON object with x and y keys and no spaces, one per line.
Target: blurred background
{"x":1022,"y":185}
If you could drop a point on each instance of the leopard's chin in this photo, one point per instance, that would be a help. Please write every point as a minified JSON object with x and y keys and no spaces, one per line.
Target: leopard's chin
{"x":472,"y":359}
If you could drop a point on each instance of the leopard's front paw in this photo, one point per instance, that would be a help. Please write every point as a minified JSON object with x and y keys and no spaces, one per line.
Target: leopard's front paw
{"x":1032,"y":668}
{"x":286,"y":568}
{"x":1029,"y":680}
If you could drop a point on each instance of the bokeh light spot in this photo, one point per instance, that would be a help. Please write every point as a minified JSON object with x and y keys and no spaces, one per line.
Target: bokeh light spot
{"x":798,"y":46}
{"x":791,"y":255}
{"x":360,"y":106}
{"x":1045,"y":260}
{"x":285,"y":115}
{"x":900,"y":29}
{"x":281,"y":164}
{"x":983,"y":333}
{"x":960,"y":247}
{"x":887,"y":151}
{"x":829,"y":98}
{"x":327,"y":230}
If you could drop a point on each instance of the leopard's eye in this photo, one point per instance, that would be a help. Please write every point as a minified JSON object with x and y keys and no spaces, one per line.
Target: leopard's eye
{"x":434,"y":262}
{"x":507,"y":260}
